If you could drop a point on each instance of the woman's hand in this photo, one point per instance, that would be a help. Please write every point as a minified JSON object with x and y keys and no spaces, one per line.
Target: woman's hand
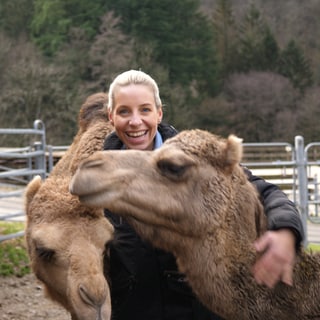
{"x":277,"y":258}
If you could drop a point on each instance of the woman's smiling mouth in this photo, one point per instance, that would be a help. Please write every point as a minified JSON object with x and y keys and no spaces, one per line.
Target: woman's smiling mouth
{"x":136,"y":134}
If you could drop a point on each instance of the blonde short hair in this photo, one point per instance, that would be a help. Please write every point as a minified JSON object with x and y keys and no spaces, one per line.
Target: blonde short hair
{"x":133,"y":77}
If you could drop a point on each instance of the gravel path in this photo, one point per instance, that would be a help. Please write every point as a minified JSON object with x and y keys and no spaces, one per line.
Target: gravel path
{"x":23,"y":299}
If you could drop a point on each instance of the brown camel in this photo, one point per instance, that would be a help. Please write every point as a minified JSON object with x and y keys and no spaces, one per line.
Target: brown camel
{"x":67,"y":240}
{"x":191,"y":197}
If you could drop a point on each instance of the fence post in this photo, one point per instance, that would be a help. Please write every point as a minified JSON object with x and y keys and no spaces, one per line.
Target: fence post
{"x":50,"y":158}
{"x":40,"y":161}
{"x":302,"y":184}
{"x":316,"y":194}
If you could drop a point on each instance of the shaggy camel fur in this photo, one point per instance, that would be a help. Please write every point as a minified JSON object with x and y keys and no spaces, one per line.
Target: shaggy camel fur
{"x":191,"y":197}
{"x":67,"y":240}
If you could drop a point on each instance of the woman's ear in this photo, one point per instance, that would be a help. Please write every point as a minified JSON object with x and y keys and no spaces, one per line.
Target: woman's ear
{"x":110,"y":117}
{"x":160,"y":114}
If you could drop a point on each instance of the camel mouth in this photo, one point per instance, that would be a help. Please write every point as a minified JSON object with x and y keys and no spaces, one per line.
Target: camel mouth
{"x":77,"y":187}
{"x":88,"y":184}
{"x":89,"y":200}
{"x":99,"y":199}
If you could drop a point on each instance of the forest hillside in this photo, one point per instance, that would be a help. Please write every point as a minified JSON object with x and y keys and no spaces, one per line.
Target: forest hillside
{"x":288,"y":19}
{"x":248,"y":67}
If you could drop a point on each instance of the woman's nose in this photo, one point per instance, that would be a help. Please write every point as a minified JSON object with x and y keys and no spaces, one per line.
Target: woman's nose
{"x":135,"y":120}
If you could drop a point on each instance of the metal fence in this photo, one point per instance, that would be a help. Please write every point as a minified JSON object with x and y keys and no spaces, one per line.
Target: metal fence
{"x":28,"y":162}
{"x":294,"y":168}
{"x":34,"y":154}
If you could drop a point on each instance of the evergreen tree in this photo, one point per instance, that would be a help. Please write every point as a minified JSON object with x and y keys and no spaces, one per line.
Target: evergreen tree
{"x":270,"y":52}
{"x":293,"y":65}
{"x":224,"y":30}
{"x":257,"y":48}
{"x":52,"y":21}
{"x":251,"y":54}
{"x":179,"y":34}
{"x":15,"y":17}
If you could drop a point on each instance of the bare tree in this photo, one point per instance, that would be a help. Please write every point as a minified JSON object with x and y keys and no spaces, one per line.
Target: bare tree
{"x":32,"y":88}
{"x":262,"y":106}
{"x":110,"y":53}
{"x":5,"y":49}
{"x":309,"y":115}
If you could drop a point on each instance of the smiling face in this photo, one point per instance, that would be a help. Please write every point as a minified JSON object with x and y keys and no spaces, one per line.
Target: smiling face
{"x":135,"y":116}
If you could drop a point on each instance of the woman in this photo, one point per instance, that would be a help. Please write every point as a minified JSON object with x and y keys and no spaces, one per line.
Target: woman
{"x":145,"y":282}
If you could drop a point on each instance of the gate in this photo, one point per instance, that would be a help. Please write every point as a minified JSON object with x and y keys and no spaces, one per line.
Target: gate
{"x":294,"y":168}
{"x":29,"y":161}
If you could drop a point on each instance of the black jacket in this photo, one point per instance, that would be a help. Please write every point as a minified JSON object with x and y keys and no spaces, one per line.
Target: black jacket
{"x":145,"y":282}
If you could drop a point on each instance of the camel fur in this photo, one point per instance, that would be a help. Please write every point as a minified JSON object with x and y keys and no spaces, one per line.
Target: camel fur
{"x":66,"y":239}
{"x":192,"y":198}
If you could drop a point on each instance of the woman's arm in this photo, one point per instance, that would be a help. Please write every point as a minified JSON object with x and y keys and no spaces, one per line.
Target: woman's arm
{"x":280,"y":211}
{"x":277,"y":246}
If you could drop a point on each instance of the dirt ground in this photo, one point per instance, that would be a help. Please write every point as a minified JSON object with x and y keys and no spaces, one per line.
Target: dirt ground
{"x":23,"y":299}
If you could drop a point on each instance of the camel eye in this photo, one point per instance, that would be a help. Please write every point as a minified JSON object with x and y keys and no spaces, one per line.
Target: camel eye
{"x":170,"y":169}
{"x":45,"y":253}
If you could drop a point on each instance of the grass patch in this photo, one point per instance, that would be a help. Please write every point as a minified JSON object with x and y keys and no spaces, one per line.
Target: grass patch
{"x":14,"y":260}
{"x":7,"y":227}
{"x":314,"y":247}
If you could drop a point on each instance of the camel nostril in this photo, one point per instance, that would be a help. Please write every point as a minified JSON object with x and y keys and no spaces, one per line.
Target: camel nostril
{"x":94,"y":300}
{"x":85,"y":296}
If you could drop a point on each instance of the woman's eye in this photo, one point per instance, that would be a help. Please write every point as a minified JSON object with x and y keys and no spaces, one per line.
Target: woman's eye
{"x":123,"y":112}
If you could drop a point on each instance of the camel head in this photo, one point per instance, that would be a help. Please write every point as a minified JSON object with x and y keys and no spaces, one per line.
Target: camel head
{"x":186,"y":189}
{"x":67,"y":244}
{"x":68,"y":241}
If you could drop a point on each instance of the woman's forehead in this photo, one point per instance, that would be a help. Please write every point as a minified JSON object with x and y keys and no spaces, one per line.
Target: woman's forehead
{"x":134,"y":93}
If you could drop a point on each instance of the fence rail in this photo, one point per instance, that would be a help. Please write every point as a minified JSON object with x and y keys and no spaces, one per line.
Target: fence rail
{"x":294,"y":168}
{"x":19,"y":165}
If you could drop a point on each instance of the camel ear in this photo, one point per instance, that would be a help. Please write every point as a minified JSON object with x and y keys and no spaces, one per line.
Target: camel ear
{"x":32,"y":189}
{"x":233,"y":150}
{"x":92,"y":108}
